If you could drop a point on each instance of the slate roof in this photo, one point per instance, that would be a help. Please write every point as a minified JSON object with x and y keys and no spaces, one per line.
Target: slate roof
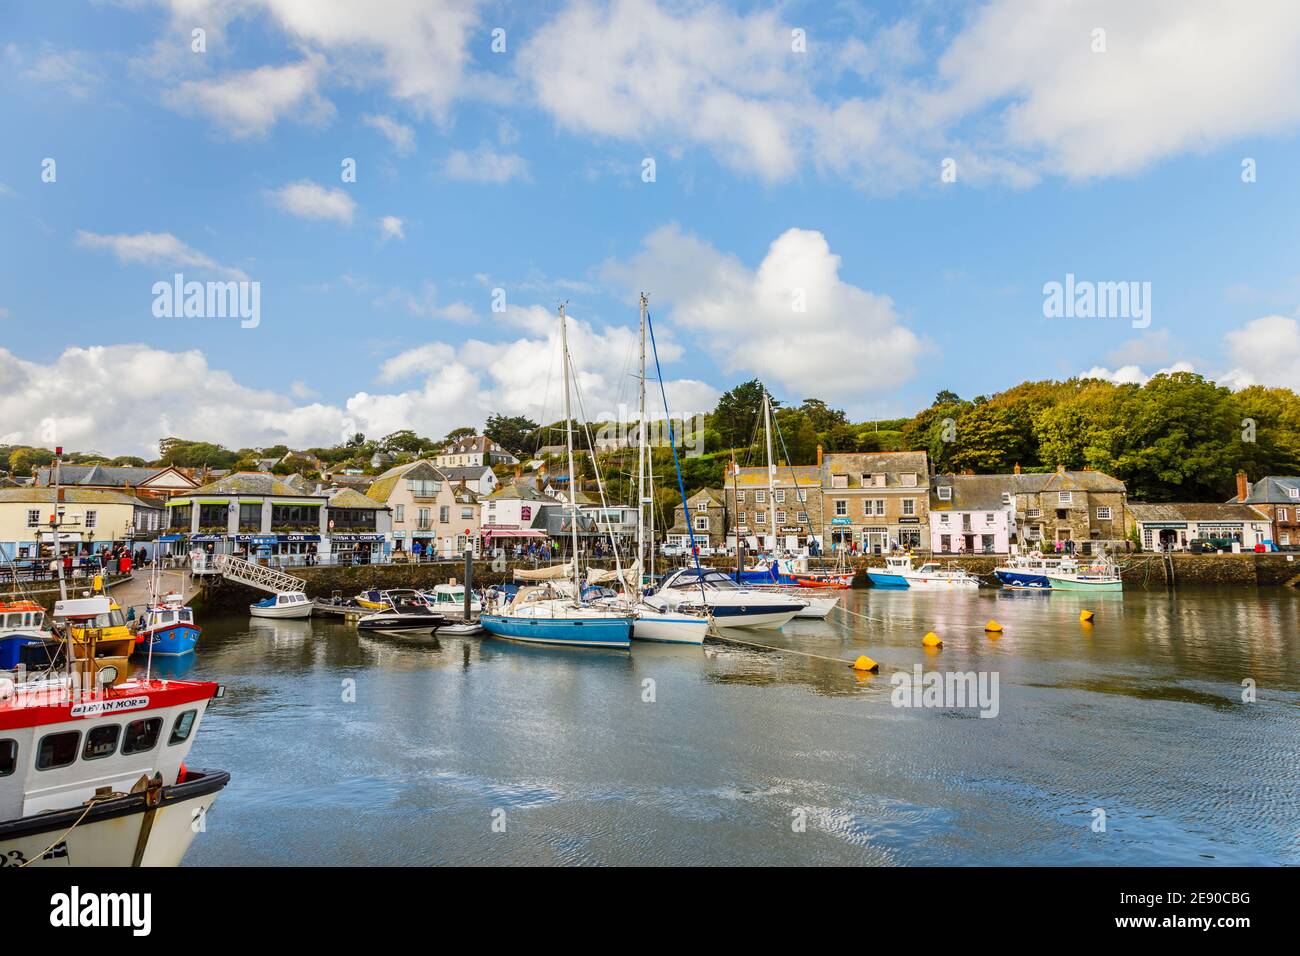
{"x":249,"y":483}
{"x":1172,"y":511}
{"x":119,"y":476}
{"x":79,"y":496}
{"x":1035,"y":483}
{"x":891,"y":464}
{"x":350,"y":498}
{"x":756,"y":476}
{"x":971,"y":492}
{"x":381,"y":489}
{"x":1274,"y":489}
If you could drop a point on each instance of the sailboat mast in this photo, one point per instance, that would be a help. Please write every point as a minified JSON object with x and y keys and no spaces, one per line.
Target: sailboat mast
{"x":771,"y":472}
{"x":568,"y":444}
{"x":640,"y":459}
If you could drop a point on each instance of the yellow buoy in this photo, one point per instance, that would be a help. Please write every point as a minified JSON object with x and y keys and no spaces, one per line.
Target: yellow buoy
{"x":932,"y":640}
{"x":1085,"y":617}
{"x":993,"y":627}
{"x":865,"y":663}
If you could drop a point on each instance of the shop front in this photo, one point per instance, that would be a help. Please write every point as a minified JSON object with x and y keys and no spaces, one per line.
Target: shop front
{"x":908,"y":534}
{"x":349,"y":549}
{"x":281,"y":549}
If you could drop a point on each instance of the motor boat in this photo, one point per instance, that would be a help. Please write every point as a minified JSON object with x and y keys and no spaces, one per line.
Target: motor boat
{"x":1028,"y":572}
{"x":167,"y":628}
{"x":405,"y":610}
{"x":21,"y":623}
{"x":281,"y":605}
{"x":725,"y":601}
{"x":898,"y":573}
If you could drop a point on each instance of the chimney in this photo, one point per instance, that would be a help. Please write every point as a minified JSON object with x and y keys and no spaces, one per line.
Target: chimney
{"x":1017,"y":468}
{"x":819,"y":456}
{"x":1243,"y":486}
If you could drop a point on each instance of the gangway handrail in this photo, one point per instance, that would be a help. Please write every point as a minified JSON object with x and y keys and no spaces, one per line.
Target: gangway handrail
{"x":256,"y":575}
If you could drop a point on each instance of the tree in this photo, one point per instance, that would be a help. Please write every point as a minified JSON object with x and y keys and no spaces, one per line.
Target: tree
{"x":456,"y":434}
{"x":736,"y":416}
{"x":824,"y":418}
{"x":516,"y":434}
{"x":946,"y":397}
{"x":404,"y":440}
{"x":192,"y":454}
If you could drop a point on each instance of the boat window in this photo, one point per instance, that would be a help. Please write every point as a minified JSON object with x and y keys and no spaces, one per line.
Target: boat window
{"x":181,"y":729}
{"x":101,"y":742}
{"x":8,"y":757}
{"x":141,"y":735}
{"x":57,"y":750}
{"x":13,"y":620}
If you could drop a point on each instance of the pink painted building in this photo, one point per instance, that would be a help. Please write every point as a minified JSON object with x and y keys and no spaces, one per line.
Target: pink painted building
{"x":972,"y":514}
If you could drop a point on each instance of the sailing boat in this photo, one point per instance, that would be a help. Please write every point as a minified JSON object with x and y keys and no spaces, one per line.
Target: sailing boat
{"x":668,"y":625}
{"x":554,"y":614}
{"x":771,"y":572}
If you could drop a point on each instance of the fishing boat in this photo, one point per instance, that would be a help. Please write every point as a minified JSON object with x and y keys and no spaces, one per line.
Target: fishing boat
{"x":1028,"y":572}
{"x":898,"y":573}
{"x":547,"y":614}
{"x":449,"y":599}
{"x":1098,"y":574}
{"x":404,"y":610}
{"x":282,"y":604}
{"x":21,"y":623}
{"x":92,"y":769}
{"x":167,"y":628}
{"x":729,"y":604}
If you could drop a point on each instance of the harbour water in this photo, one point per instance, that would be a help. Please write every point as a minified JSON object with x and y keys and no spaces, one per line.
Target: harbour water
{"x":354,"y":749}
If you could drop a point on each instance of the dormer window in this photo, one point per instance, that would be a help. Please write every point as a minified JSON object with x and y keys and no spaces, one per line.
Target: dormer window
{"x":908,"y":479}
{"x":945,"y":492}
{"x":839,"y":481}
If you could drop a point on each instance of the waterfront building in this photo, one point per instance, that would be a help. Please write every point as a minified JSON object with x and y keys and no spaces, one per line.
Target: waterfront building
{"x":151,"y":482}
{"x":430,"y":513}
{"x":514,"y":512}
{"x":1278,"y":498}
{"x":475,"y":450}
{"x":251,"y":514}
{"x":875,"y":501}
{"x":971,"y":514}
{"x":1065,"y":505}
{"x":795,"y":498}
{"x":90,"y":519}
{"x":708,"y":517}
{"x":1174,"y":527}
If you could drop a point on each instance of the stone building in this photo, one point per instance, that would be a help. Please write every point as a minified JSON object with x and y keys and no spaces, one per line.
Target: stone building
{"x":708,"y":519}
{"x":795,"y":500}
{"x":877,"y":500}
{"x":1068,"y":505}
{"x":1175,"y":527}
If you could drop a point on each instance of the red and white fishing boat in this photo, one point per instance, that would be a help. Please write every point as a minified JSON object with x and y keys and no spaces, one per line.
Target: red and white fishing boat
{"x":93,"y":774}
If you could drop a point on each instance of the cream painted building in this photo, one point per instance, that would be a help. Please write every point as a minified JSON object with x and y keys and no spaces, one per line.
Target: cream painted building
{"x":90,"y":519}
{"x":427,"y":509}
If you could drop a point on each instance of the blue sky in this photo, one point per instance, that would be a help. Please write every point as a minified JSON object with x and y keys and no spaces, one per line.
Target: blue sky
{"x":780,"y":175}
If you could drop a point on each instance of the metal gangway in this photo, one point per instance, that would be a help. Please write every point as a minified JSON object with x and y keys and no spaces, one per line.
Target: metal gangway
{"x":255,"y":575}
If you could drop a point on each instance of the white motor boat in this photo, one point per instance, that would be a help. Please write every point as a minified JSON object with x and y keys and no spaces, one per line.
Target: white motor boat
{"x":930,"y":576}
{"x":726,"y":602}
{"x":449,"y":599}
{"x":284,"y":604}
{"x":406,"y":610}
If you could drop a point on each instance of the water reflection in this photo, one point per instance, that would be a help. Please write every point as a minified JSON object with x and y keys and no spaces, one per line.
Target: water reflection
{"x":686,"y":755}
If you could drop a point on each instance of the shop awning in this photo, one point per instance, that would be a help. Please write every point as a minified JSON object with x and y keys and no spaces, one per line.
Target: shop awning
{"x":513,"y":533}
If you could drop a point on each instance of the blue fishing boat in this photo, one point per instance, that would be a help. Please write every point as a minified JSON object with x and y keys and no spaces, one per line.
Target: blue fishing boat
{"x":1028,"y":572}
{"x":892,"y":575}
{"x":168,"y":628}
{"x":21,"y":623}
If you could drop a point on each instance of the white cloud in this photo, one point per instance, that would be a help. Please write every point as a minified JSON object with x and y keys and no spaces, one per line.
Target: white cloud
{"x":70,"y":70}
{"x":399,"y":134}
{"x":792,"y":321}
{"x":485,"y":165}
{"x":1265,"y":351}
{"x":249,"y":103}
{"x":310,"y":200}
{"x":390,"y":227}
{"x":1133,"y":374}
{"x":155,"y":249}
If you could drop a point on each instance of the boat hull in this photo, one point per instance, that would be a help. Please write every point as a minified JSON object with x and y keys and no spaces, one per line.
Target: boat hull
{"x":11,"y":648}
{"x":283,"y":611}
{"x":172,"y":641}
{"x":123,"y":831}
{"x":669,"y":628}
{"x":941,"y":584}
{"x":568,"y":632}
{"x":400,"y":622}
{"x":881,"y":579}
{"x":1022,"y":580}
{"x":1072,"y":584}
